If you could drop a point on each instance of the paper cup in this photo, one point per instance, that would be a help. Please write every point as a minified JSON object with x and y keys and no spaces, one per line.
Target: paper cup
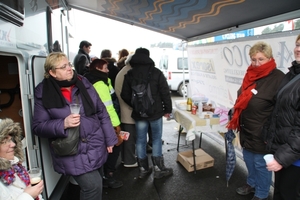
{"x":268,"y":158}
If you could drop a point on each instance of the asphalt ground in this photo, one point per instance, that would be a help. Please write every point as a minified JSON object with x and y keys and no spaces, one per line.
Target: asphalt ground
{"x":205,"y":184}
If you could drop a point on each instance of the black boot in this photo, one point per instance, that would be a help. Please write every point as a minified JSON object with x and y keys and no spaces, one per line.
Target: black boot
{"x":159,"y":168}
{"x":110,"y":182}
{"x":144,"y":167}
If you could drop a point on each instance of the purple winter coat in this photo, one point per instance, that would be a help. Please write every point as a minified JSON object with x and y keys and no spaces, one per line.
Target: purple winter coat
{"x":96,"y":132}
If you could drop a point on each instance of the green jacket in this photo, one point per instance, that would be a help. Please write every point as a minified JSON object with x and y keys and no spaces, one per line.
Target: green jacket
{"x":105,"y":92}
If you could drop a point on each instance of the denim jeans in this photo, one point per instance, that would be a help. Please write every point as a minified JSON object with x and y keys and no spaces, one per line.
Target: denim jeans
{"x":258,"y":175}
{"x":141,"y":140}
{"x":90,"y":184}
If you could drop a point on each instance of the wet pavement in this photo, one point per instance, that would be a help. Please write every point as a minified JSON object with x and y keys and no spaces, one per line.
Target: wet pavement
{"x":205,"y":184}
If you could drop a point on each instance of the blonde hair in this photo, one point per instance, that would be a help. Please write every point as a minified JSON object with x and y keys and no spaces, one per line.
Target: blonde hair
{"x":51,"y":62}
{"x":261,"y":47}
{"x":298,"y":38}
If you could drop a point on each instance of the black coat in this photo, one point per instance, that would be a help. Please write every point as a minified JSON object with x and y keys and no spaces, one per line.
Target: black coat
{"x":141,"y":65}
{"x":283,"y":130}
{"x":259,"y":108}
{"x":81,"y":62}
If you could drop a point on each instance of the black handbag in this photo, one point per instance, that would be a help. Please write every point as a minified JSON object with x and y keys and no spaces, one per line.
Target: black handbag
{"x":67,"y":146}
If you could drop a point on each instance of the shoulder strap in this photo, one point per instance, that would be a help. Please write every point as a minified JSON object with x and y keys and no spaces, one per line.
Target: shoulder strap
{"x":288,"y":84}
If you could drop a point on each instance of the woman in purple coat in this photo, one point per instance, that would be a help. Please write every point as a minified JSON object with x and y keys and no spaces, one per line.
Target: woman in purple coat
{"x":52,"y":119}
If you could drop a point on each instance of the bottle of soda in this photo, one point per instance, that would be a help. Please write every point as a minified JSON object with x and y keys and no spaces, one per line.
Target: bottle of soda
{"x":189,"y":104}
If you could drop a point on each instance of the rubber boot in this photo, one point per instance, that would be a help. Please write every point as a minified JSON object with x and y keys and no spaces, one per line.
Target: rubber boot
{"x":159,"y":168}
{"x":144,"y":167}
{"x":110,"y":182}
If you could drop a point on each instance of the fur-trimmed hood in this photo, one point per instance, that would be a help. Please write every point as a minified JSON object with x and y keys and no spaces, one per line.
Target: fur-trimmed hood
{"x":8,"y":127}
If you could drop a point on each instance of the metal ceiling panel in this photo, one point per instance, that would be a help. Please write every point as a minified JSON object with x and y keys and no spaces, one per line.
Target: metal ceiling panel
{"x":192,"y":19}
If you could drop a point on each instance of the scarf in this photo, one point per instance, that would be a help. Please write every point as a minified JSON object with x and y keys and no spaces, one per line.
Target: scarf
{"x":249,"y":83}
{"x":8,"y":176}
{"x":95,"y":75}
{"x":51,"y":91}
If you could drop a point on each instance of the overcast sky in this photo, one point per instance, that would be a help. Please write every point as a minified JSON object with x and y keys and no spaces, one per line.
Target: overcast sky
{"x":105,"y":33}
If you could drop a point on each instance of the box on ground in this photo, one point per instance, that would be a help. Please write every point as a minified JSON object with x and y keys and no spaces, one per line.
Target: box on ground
{"x":202,"y":159}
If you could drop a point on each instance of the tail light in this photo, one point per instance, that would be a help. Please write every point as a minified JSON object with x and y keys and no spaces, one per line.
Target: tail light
{"x":169,"y":75}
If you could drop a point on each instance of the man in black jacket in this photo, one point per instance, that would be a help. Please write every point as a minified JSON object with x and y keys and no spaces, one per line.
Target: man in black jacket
{"x":82,"y":59}
{"x":143,"y":68}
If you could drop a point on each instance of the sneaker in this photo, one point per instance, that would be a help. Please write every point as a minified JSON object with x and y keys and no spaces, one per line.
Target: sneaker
{"x":256,"y":198}
{"x":132,"y":165}
{"x":245,"y":190}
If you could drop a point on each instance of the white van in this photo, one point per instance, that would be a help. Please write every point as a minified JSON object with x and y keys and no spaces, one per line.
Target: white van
{"x":174,"y":65}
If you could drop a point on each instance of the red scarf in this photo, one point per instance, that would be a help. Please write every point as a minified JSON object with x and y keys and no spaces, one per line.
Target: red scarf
{"x":252,"y":75}
{"x":8,"y":176}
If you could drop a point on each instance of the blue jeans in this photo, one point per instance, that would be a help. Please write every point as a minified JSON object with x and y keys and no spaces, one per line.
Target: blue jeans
{"x":90,"y":184}
{"x":258,"y":175}
{"x":141,"y":137}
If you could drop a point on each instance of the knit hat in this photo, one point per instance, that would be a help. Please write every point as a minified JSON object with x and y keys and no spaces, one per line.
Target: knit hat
{"x":142,"y":51}
{"x":13,"y":129}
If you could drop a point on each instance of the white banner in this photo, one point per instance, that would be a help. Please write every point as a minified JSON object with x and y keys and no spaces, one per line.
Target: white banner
{"x":217,"y":71}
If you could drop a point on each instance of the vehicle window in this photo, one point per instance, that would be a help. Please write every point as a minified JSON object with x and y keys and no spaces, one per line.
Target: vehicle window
{"x":163,"y":64}
{"x":185,"y":63}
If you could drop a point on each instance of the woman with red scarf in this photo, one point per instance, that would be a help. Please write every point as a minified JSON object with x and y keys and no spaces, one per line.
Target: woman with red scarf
{"x":253,"y":106}
{"x":14,"y":179}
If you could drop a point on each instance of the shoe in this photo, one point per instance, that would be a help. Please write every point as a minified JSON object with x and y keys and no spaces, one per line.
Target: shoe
{"x":160,"y":169}
{"x":256,"y":198}
{"x":110,"y":182}
{"x":132,"y":165}
{"x":245,"y":190}
{"x":144,"y":169}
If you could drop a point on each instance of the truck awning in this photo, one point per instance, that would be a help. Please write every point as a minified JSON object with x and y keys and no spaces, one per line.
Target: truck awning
{"x":191,"y":20}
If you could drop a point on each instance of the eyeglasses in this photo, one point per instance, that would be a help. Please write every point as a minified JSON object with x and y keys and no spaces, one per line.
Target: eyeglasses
{"x":64,"y":67}
{"x":8,"y":141}
{"x":259,"y":60}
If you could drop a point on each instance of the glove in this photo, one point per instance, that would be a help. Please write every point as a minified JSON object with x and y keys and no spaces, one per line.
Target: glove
{"x":120,"y":139}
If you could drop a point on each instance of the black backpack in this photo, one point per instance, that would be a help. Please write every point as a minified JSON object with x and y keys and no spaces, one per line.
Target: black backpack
{"x":141,"y":97}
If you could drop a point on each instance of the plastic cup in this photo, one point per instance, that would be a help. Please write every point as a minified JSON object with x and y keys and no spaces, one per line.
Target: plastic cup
{"x":35,"y":175}
{"x":268,"y":158}
{"x":74,"y":108}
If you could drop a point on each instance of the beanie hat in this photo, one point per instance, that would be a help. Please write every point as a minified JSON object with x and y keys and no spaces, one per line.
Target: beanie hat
{"x":10,"y":128}
{"x":142,"y":51}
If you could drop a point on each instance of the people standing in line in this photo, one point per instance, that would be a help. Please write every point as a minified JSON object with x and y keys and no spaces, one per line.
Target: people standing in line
{"x":113,"y":69}
{"x":82,"y":60}
{"x":253,"y":106}
{"x":14,"y":178}
{"x":98,"y":76}
{"x":52,"y":118}
{"x":141,"y":65}
{"x":122,"y":57}
{"x":128,"y":154}
{"x":282,"y":134}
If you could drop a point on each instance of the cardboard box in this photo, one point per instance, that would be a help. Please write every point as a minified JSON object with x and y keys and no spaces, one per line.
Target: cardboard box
{"x":202,"y":159}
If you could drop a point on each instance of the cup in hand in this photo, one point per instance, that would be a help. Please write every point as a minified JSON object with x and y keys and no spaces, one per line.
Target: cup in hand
{"x":268,"y":158}
{"x":35,"y":175}
{"x":75,"y":108}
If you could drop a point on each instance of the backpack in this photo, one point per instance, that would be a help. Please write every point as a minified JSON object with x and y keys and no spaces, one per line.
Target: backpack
{"x":141,"y":97}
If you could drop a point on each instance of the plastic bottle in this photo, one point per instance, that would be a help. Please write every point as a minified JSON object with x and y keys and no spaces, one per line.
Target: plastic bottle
{"x":189,"y":104}
{"x":199,"y":110}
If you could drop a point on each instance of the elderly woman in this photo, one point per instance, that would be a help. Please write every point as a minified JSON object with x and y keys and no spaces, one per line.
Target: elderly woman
{"x":52,"y":119}
{"x":14,"y":179}
{"x":283,"y":134}
{"x":253,"y":106}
